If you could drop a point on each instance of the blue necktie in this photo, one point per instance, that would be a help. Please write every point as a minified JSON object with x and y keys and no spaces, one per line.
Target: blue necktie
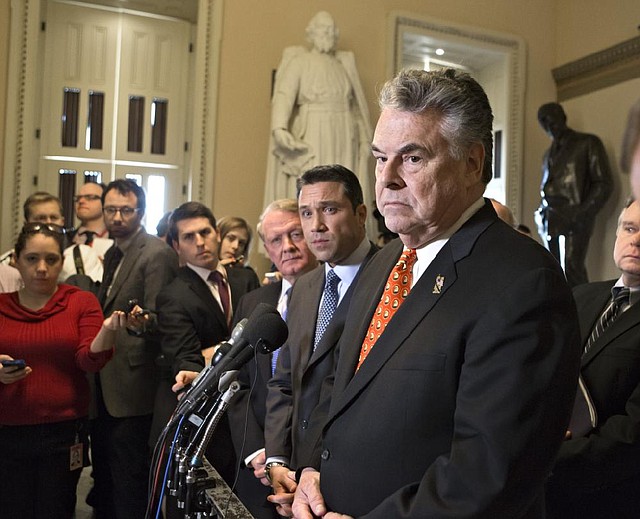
{"x":328,"y":306}
{"x":282,"y":308}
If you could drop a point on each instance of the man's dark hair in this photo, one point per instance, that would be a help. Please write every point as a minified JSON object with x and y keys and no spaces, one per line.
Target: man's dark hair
{"x":334,"y":173}
{"x":462,"y":104}
{"x":124,"y":186}
{"x":186,"y":211}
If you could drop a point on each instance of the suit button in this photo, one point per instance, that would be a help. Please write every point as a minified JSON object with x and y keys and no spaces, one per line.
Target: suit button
{"x":325,"y":454}
{"x":304,"y":424}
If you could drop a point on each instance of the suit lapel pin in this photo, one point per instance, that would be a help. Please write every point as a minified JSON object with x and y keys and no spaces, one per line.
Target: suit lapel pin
{"x":437,"y":288}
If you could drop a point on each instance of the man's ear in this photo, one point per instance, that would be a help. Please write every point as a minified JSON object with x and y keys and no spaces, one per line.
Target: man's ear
{"x":176,"y":245}
{"x":475,"y":162}
{"x":361,"y":214}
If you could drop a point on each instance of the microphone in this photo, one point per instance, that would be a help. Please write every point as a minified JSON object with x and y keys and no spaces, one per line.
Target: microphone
{"x":222,"y":351}
{"x":265,"y":331}
{"x":236,"y":335}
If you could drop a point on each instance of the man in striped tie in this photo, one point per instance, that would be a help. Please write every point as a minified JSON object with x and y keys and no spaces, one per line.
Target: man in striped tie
{"x":596,"y":475}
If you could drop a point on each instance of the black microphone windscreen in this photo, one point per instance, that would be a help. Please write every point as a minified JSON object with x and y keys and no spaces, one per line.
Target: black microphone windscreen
{"x":267,"y":332}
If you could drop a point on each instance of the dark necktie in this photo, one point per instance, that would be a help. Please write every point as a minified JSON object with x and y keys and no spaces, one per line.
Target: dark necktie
{"x":328,"y":306}
{"x":395,"y":291}
{"x":111,"y":262}
{"x":218,"y":279}
{"x":283,"y":308}
{"x":610,"y":314}
{"x":88,"y":237}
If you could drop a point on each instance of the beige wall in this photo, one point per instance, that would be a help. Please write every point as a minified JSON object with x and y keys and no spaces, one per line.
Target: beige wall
{"x":256,"y":31}
{"x":584,"y":27}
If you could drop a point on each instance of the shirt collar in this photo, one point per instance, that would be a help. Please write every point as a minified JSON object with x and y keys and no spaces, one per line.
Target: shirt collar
{"x":426,"y":254}
{"x":348,"y":268}
{"x":205,"y":272}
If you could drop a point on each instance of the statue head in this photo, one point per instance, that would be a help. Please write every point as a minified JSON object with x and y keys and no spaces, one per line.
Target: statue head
{"x":552,"y":118}
{"x":322,"y":32}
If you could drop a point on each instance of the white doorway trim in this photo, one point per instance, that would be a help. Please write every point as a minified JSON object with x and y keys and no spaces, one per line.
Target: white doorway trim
{"x":512,"y":47}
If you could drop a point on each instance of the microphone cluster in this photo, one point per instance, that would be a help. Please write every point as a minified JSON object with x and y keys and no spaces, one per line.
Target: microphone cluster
{"x":203,"y":405}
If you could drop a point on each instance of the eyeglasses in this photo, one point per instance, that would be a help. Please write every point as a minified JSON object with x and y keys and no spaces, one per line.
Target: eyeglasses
{"x":33,"y":227}
{"x":125,"y":212}
{"x":88,"y":198}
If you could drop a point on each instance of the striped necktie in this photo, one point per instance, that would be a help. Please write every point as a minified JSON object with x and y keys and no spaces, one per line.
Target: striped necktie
{"x":218,"y":279}
{"x":612,"y":311}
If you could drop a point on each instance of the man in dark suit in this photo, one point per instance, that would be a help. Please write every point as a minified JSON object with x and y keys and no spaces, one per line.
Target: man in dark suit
{"x":333,"y":218}
{"x":459,"y":357}
{"x":576,"y":182}
{"x":194,"y":313}
{"x":136,"y":267}
{"x":598,"y":474}
{"x":281,"y":233}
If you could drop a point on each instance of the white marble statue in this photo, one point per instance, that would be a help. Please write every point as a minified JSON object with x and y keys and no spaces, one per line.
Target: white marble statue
{"x":319,"y":113}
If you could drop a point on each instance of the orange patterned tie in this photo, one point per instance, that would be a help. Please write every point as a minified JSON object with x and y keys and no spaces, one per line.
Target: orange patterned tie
{"x":395,"y":291}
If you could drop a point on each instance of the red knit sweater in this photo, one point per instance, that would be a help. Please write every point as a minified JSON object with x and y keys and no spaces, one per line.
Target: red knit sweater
{"x":54,"y":341}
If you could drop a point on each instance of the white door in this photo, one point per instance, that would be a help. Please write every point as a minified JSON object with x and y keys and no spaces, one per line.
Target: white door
{"x":114,"y":98}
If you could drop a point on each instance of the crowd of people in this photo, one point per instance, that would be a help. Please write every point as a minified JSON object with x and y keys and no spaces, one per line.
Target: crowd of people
{"x":442,"y":373}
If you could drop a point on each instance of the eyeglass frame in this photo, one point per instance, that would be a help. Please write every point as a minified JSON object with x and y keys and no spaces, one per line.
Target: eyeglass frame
{"x":125,"y":212}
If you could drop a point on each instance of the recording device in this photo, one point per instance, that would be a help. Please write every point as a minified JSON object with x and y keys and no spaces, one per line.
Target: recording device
{"x":271,"y":277}
{"x":131,"y":304}
{"x":14,"y":363}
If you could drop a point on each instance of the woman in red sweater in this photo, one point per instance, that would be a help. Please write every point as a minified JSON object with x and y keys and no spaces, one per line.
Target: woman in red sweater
{"x":60,"y":333}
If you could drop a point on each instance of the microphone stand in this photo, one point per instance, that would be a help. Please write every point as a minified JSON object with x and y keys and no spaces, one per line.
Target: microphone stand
{"x":221,"y":406}
{"x":192,"y":477}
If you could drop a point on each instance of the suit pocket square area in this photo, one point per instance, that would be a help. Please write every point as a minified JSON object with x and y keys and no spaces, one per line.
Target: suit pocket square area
{"x":584,"y":416}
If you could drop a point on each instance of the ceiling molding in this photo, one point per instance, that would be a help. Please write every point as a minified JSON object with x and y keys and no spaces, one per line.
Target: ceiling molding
{"x":599,"y":70}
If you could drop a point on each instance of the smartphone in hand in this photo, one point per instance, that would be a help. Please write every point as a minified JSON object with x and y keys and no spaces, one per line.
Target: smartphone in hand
{"x":18,"y":364}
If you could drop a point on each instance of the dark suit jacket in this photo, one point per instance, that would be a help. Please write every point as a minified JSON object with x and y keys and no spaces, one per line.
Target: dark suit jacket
{"x":600,"y":473}
{"x":254,"y":375}
{"x":190,"y":320}
{"x":248,"y":409}
{"x":129,"y":380}
{"x":462,"y":403}
{"x":296,"y":387}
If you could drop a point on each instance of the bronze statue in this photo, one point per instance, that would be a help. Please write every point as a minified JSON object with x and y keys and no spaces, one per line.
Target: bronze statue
{"x":576,"y":182}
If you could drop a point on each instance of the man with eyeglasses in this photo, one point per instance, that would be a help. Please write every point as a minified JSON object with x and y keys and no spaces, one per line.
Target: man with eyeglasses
{"x":92,"y":230}
{"x":136,"y":268}
{"x":43,"y":207}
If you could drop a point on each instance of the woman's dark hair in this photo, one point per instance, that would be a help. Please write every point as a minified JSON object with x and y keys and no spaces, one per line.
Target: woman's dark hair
{"x":48,"y":229}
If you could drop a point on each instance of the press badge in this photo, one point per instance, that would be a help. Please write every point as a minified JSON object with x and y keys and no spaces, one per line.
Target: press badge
{"x":75,"y":455}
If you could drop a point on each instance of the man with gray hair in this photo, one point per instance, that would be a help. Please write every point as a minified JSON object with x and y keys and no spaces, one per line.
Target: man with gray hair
{"x":458,"y":360}
{"x":281,"y":232}
{"x":597,"y":470}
